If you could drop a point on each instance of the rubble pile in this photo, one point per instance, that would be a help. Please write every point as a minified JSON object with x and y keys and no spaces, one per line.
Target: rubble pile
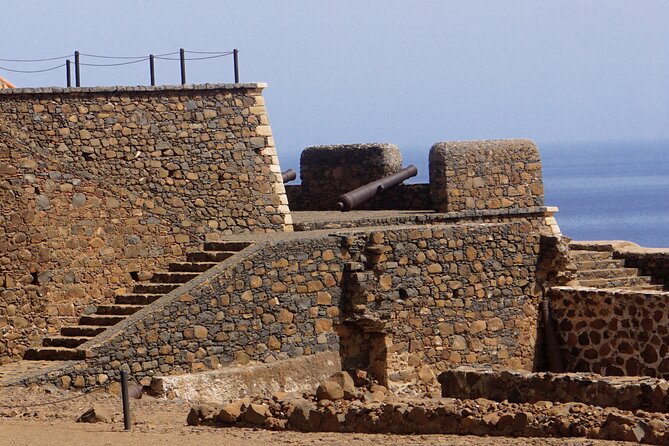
{"x":339,"y":405}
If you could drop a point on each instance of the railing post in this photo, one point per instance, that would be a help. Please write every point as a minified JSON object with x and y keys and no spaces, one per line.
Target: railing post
{"x":126,"y":402}
{"x":235,"y":57}
{"x":77,"y":74}
{"x":68,"y":72}
{"x":152,"y":69}
{"x":182,"y":58}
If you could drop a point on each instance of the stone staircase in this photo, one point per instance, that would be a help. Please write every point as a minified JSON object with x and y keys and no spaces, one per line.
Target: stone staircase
{"x":64,"y":346}
{"x":598,"y":269}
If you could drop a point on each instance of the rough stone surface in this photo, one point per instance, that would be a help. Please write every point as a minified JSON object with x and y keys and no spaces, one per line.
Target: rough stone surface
{"x":517,"y":386}
{"x":612,"y":332}
{"x":494,"y":174}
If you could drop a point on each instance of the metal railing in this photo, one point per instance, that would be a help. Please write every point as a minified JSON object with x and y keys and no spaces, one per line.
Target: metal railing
{"x":116,"y":61}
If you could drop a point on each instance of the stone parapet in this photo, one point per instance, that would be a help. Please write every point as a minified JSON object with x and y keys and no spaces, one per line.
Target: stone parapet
{"x":329,"y":171}
{"x":494,"y":174}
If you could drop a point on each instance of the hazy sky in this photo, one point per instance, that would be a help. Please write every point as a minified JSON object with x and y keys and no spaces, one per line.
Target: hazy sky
{"x":407,"y":72}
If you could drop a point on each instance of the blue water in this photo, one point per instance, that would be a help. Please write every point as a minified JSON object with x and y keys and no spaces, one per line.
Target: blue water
{"x":604,"y":190}
{"x":610,"y":190}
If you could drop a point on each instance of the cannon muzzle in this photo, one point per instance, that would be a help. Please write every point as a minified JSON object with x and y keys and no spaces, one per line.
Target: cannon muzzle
{"x":356,"y":197}
{"x":288,"y":175}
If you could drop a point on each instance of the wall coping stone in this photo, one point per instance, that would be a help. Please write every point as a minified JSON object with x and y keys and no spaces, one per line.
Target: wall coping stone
{"x":130,"y":89}
{"x":609,"y":291}
{"x":416,"y":217}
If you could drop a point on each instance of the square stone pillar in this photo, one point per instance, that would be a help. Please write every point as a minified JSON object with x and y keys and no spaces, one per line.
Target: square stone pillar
{"x":485,"y":175}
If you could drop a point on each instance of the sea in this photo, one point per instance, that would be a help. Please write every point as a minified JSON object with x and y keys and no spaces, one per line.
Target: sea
{"x":608,"y":190}
{"x":604,"y":190}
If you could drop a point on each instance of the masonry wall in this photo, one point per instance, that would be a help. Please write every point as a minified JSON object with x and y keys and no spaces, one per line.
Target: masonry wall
{"x":428,"y":295}
{"x":99,"y":184}
{"x":612,"y":332}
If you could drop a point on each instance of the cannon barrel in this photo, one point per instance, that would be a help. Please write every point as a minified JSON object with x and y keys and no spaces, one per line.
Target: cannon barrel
{"x":288,"y":175}
{"x":356,"y":197}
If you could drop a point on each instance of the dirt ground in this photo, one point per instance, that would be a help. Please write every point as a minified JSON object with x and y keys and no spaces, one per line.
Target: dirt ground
{"x":160,"y":422}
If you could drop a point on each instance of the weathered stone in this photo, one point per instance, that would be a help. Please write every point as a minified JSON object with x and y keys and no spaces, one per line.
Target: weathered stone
{"x":96,"y":414}
{"x":329,"y":390}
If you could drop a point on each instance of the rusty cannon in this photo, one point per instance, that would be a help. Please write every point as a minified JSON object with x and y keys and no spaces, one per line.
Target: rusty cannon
{"x":356,"y":197}
{"x":288,"y":175}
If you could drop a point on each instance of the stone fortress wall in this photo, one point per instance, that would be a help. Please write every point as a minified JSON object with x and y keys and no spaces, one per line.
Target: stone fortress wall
{"x":101,"y":185}
{"x":402,"y":301}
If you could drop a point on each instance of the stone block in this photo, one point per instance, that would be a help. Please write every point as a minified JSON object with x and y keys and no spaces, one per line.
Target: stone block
{"x":329,"y":171}
{"x":485,"y":175}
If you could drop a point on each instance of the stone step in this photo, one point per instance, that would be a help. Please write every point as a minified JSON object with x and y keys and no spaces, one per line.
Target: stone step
{"x":118,"y":309}
{"x":191,"y":266}
{"x":608,"y":273}
{"x":97,"y":319}
{"x":624,"y":282}
{"x":154,"y":288}
{"x":209,"y":256}
{"x":136,"y":299}
{"x":53,"y":353}
{"x":82,"y":330}
{"x":592,"y":255}
{"x":585,"y":265}
{"x":226,"y":246}
{"x":65,"y":341}
{"x":173,"y":277}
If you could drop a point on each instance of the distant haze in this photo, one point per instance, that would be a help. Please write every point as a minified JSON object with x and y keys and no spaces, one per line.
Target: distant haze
{"x":407,"y":72}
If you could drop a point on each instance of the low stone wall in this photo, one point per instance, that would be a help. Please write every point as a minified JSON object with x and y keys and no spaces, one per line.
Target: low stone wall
{"x":401,"y":197}
{"x":102,"y":184}
{"x":329,"y":171}
{"x":517,"y":386}
{"x":485,"y":175}
{"x":391,"y":301}
{"x":612,"y":332}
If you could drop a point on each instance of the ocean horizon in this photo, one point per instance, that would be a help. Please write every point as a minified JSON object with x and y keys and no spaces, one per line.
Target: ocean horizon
{"x":605,"y":190}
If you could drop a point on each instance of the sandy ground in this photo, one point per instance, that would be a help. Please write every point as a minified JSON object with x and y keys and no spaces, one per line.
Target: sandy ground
{"x":159,"y":422}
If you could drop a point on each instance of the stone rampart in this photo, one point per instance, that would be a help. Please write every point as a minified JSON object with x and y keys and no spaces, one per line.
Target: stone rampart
{"x":612,"y":332}
{"x":102,"y":184}
{"x":401,"y":297}
{"x":495,"y":174}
